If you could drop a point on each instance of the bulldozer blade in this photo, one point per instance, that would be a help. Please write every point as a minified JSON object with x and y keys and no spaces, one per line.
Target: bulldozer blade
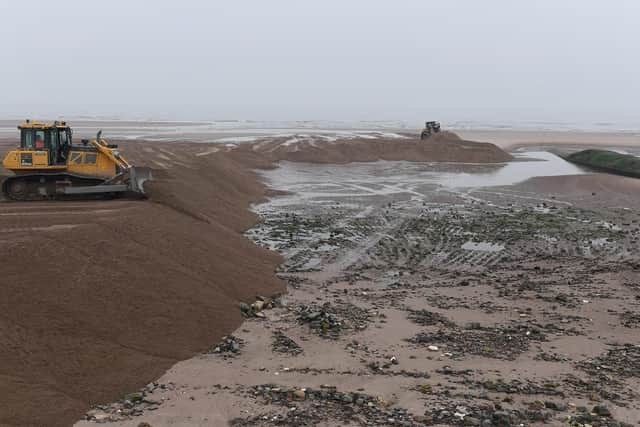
{"x":129,"y":183}
{"x":137,"y":177}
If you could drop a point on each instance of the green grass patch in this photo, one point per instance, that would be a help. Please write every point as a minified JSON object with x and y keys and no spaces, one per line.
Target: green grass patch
{"x":607,"y":161}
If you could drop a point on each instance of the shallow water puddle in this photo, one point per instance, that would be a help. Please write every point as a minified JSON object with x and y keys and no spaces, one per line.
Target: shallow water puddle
{"x":384,"y":178}
{"x":527,"y":165}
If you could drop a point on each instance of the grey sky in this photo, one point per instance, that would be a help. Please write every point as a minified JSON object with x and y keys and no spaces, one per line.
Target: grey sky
{"x":353,"y":60}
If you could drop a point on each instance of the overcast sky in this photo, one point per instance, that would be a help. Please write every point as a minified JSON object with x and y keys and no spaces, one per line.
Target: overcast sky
{"x":574,"y":60}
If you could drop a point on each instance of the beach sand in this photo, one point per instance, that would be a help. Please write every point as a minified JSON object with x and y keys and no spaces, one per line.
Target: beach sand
{"x":101,"y":297}
{"x":105,"y":297}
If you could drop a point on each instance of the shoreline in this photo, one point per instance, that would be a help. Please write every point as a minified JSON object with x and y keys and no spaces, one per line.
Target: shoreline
{"x":514,"y":139}
{"x":250,"y":131}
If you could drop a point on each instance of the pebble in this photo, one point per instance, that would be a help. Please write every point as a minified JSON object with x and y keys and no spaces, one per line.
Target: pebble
{"x":601,"y":410}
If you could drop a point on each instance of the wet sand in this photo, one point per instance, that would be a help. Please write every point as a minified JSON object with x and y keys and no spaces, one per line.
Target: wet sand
{"x":376,"y":271}
{"x":513,"y":139}
{"x":413,"y":301}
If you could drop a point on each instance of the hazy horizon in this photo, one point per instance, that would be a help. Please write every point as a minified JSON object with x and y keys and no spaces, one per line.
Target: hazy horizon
{"x":492,"y":61}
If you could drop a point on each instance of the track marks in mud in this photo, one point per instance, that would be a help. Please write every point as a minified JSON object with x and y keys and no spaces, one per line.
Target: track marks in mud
{"x":407,"y":236}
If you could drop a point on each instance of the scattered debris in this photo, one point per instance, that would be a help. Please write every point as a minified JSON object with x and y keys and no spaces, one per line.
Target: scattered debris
{"x":621,"y":361}
{"x":483,"y":415}
{"x":551,"y":357}
{"x":284,"y":344}
{"x":262,"y":303}
{"x":630,"y":319}
{"x":309,"y":407}
{"x":504,"y":342}
{"x":428,"y":318}
{"x":329,"y":320}
{"x":132,"y":405}
{"x":229,"y":346}
{"x":525,"y":387}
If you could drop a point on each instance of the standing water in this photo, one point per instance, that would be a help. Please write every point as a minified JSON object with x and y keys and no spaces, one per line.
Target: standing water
{"x":313,"y":181}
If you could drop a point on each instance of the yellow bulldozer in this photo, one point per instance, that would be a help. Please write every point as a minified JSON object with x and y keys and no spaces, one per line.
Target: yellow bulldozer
{"x":47,"y":165}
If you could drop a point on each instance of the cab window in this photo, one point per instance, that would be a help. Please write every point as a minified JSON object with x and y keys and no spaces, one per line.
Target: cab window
{"x":53,"y":137}
{"x":27,"y":139}
{"x":39,"y":143}
{"x":90,"y":158}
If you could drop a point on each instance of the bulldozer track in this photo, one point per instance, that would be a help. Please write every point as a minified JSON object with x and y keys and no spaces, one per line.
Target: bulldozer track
{"x":33,"y":187}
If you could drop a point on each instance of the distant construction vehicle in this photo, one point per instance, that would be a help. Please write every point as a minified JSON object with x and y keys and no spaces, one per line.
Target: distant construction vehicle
{"x":48,"y":166}
{"x":429,"y":129}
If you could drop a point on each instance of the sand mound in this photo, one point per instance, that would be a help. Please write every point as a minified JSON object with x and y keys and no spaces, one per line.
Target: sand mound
{"x":442,"y":147}
{"x":445,"y":135}
{"x":101,"y":297}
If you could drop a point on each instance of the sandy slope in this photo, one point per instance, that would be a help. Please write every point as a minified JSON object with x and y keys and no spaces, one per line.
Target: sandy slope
{"x":98,"y":297}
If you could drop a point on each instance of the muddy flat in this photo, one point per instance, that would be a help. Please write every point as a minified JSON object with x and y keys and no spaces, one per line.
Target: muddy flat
{"x":427,"y":294}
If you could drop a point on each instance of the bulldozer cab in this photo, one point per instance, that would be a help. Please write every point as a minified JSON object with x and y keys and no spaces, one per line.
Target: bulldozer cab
{"x":55,"y":138}
{"x":429,"y":129}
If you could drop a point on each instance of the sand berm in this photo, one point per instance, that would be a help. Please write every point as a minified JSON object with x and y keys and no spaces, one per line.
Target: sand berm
{"x":101,"y":297}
